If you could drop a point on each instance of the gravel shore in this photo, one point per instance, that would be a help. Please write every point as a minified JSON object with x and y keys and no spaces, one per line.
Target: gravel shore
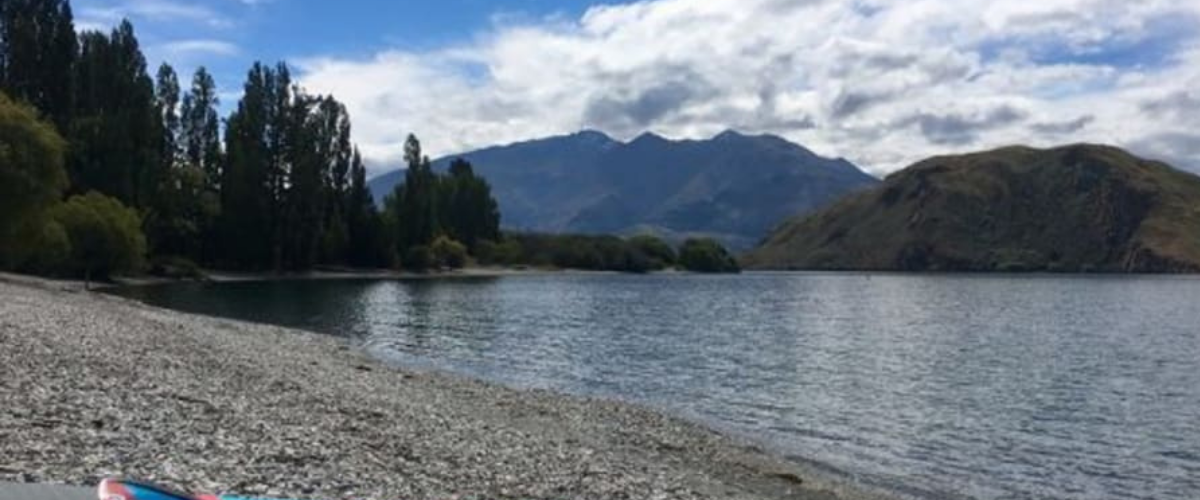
{"x":94,"y":386}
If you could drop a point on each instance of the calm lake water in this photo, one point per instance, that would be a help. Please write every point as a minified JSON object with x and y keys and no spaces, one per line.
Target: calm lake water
{"x":981,"y":387}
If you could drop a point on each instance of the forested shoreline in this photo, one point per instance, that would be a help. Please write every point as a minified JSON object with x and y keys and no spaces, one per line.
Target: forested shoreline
{"x":108,"y":170}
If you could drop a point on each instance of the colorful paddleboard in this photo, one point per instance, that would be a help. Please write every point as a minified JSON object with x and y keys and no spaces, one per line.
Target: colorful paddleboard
{"x":118,"y":489}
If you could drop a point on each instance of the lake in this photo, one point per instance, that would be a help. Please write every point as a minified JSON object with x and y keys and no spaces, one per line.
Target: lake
{"x":940,"y":386}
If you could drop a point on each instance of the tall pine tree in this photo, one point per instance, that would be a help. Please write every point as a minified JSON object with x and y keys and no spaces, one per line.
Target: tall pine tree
{"x":38,"y":48}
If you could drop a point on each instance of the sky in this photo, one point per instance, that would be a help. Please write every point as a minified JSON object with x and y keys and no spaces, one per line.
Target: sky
{"x":882,"y":83}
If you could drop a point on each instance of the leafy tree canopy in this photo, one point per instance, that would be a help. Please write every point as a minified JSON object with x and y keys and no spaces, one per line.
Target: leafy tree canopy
{"x":105,"y":236}
{"x":704,"y":255}
{"x":32,"y":177}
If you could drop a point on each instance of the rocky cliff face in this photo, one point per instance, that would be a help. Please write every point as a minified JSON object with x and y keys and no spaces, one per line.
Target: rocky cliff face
{"x":1072,"y":209}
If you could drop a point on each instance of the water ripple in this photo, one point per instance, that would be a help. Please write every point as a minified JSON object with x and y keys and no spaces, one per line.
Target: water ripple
{"x":985,"y":387}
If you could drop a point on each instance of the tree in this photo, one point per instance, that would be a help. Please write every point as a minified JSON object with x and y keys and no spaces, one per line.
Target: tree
{"x":178,"y":223}
{"x":116,"y":138}
{"x":658,"y":251}
{"x":38,"y":47}
{"x":705,"y":255}
{"x":332,"y":149}
{"x":418,"y":258}
{"x":285,"y":188}
{"x":414,"y":203}
{"x":163,"y":206}
{"x":166,"y":97}
{"x":469,"y":212}
{"x":368,"y":245}
{"x":448,"y":253}
{"x":247,"y":185}
{"x":200,"y":128}
{"x":200,"y":146}
{"x":105,"y":236}
{"x":428,"y":205}
{"x":32,"y":177}
{"x":302,"y":195}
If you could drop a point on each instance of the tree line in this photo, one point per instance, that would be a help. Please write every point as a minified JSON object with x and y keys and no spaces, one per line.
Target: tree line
{"x":106,"y":169}
{"x":277,"y":185}
{"x":637,"y":254}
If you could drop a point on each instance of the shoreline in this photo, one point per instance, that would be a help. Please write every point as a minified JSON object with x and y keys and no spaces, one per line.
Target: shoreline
{"x":508,"y":272}
{"x":99,"y":386}
{"x":214,"y":276}
{"x":358,"y":274}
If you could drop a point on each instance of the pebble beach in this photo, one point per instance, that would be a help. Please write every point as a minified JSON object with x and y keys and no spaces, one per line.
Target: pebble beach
{"x":93,"y":386}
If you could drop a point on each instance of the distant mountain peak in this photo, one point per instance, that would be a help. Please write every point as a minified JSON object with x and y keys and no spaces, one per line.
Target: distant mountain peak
{"x":649,"y":137}
{"x":592,"y":135}
{"x":729,"y":134}
{"x":733,"y":187}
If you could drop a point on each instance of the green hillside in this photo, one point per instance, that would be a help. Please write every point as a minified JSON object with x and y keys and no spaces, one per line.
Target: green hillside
{"x":1071,"y":209}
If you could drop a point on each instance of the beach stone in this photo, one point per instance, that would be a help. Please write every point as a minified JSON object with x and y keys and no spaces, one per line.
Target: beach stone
{"x":94,"y":386}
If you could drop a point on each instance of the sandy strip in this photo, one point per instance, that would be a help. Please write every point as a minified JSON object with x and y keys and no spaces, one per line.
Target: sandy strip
{"x":94,"y":386}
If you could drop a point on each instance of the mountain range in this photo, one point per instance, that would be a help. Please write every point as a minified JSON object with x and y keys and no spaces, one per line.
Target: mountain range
{"x":732,"y":187}
{"x":1075,"y":208}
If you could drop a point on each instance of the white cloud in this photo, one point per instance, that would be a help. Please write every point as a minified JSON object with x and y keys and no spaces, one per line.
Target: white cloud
{"x":881,"y":82}
{"x":107,"y":14}
{"x":186,"y":48}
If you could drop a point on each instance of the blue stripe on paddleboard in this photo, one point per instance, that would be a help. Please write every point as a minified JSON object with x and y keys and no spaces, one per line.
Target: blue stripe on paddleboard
{"x":143,"y":493}
{"x":248,"y":498}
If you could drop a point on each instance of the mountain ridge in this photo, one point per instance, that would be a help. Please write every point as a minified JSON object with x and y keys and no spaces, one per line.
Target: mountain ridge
{"x":733,"y":187}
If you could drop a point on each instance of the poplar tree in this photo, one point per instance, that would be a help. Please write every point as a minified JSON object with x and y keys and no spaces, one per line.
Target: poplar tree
{"x":246,"y":187}
{"x":166,"y":97}
{"x":38,"y":48}
{"x":415,"y":201}
{"x":200,"y":131}
{"x":116,"y":134}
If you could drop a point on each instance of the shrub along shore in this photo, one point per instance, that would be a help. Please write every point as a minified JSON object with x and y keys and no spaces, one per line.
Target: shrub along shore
{"x":95,"y":386}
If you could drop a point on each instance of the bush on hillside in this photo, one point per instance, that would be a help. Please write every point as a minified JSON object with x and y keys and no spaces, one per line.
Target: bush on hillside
{"x":704,"y":255}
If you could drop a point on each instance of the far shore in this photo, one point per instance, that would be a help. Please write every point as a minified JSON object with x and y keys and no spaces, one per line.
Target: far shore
{"x":95,"y":385}
{"x":472,"y":272}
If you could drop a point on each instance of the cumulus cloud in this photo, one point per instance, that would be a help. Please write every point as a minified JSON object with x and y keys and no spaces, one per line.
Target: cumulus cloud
{"x":881,"y":82}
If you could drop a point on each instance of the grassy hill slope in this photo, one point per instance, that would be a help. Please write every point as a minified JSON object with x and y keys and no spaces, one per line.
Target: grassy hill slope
{"x":1073,"y":208}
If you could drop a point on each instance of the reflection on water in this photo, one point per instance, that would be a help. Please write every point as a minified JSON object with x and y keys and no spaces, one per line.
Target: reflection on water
{"x":983,"y":386}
